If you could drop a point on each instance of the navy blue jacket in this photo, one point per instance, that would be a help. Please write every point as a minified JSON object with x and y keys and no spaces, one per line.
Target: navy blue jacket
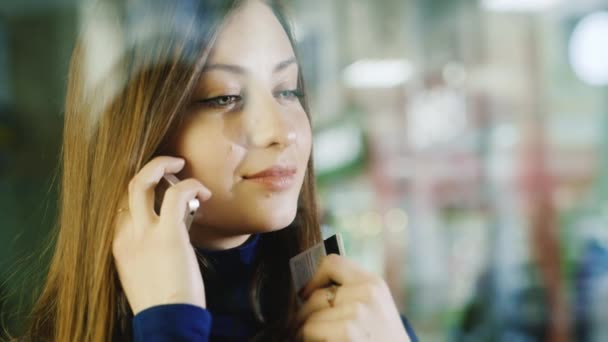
{"x":232,"y":318}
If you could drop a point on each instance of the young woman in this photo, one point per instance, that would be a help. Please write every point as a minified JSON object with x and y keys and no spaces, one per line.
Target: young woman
{"x":211,"y":91}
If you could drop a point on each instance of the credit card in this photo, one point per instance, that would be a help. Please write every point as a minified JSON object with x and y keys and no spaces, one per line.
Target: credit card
{"x":304,"y":265}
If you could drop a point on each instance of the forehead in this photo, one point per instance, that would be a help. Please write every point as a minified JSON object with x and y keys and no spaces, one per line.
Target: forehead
{"x":250,"y":37}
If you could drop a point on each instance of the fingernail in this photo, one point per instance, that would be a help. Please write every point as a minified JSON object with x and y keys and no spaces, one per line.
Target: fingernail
{"x":177,"y":163}
{"x":206,"y":194}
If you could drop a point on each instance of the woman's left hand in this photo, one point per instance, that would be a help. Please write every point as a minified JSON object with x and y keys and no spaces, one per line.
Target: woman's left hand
{"x":358,"y":307}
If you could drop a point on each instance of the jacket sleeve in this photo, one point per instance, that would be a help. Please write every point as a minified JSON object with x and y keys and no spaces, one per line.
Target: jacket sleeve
{"x":172,"y":322}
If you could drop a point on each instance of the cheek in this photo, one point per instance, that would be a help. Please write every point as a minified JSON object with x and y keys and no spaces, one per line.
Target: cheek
{"x":304,"y":138}
{"x":211,"y":157}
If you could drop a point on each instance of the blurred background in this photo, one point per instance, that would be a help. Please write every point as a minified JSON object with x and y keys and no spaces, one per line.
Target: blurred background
{"x":461,"y":149}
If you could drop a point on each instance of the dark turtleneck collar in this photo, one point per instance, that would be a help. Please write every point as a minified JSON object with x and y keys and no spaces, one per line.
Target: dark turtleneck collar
{"x":233,"y":260}
{"x":227,"y":290}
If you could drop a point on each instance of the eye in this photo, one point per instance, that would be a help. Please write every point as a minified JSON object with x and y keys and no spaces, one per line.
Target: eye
{"x":222,"y":101}
{"x":293,"y":94}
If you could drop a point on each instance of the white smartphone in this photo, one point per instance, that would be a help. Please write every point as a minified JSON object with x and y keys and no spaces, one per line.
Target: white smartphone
{"x":167,"y":181}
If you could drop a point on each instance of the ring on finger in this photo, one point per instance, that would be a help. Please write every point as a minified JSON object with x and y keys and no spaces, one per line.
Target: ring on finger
{"x":331,"y":295}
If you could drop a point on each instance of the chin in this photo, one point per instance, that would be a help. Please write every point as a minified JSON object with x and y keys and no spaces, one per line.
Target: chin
{"x":261,"y":222}
{"x":252,"y":221}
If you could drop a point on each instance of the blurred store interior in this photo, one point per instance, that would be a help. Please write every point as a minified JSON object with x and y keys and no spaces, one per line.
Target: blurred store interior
{"x":461,"y":149}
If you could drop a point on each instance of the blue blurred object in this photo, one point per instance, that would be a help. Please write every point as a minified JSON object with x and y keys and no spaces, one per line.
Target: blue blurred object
{"x":498,"y":313}
{"x":591,"y":293}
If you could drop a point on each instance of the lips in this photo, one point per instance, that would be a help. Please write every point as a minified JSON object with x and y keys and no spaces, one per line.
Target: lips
{"x":275,"y":171}
{"x":274,"y":178}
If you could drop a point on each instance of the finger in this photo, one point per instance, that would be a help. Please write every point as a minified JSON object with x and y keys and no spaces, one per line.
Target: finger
{"x":348,"y":311}
{"x":335,"y":269}
{"x":141,"y":187}
{"x":343,"y":295}
{"x":121,"y":211}
{"x":316,"y":302}
{"x":122,"y":220}
{"x":176,"y":199}
{"x":122,"y":233}
{"x":341,"y":330}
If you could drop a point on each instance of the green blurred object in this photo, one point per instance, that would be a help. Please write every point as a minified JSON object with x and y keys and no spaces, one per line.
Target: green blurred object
{"x":340,"y":149}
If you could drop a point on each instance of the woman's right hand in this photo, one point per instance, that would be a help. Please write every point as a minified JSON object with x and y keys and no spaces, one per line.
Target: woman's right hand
{"x":155,"y":260}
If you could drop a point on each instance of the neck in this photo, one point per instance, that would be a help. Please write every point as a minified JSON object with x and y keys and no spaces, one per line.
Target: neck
{"x":209,"y":239}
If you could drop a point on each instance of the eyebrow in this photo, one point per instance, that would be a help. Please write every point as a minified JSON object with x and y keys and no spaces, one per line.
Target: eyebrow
{"x":237,"y":69}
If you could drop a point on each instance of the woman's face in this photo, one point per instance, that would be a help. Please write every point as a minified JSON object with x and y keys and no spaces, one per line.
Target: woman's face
{"x":245,"y":117}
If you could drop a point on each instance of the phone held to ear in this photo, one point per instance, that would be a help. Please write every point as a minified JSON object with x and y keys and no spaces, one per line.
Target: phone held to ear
{"x":167,"y":181}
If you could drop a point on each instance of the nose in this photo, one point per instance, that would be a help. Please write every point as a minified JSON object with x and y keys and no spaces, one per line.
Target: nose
{"x":267,"y":124}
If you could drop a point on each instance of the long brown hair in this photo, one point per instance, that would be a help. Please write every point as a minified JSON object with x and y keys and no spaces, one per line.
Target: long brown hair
{"x":115,"y":121}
